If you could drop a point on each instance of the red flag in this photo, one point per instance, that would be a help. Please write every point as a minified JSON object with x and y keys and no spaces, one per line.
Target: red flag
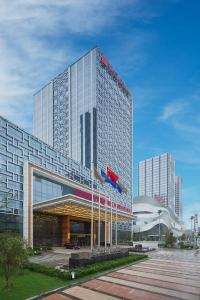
{"x":112,"y":175}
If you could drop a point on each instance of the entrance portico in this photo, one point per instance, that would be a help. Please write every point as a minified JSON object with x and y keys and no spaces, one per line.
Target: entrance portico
{"x":71,"y":213}
{"x":74,"y":210}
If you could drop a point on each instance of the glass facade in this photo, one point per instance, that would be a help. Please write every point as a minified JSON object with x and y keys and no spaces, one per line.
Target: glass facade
{"x":16,"y":147}
{"x":61,"y":113}
{"x":93,"y":119}
{"x":47,"y":230}
{"x":45,"y":189}
{"x":83,"y":101}
{"x":114,"y":128}
{"x":157,"y":179}
{"x":178,"y":196}
{"x":43,"y":105}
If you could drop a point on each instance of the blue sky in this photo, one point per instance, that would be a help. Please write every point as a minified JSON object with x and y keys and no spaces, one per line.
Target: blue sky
{"x":154,"y":45}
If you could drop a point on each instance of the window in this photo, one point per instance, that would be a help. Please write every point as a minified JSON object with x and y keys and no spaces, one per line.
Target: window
{"x":35,"y":144}
{"x":14,"y":150}
{"x":35,"y":159}
{"x":14,"y":168}
{"x":50,"y":152}
{"x":14,"y":132}
{"x":14,"y":185}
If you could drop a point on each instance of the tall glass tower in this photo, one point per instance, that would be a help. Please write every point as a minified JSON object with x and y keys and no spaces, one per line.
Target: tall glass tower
{"x":157,"y":179}
{"x":86,"y":113}
{"x":178,"y":196}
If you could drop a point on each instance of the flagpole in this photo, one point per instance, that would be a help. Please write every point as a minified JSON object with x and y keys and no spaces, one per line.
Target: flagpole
{"x":92,"y":212}
{"x":105,"y":223}
{"x":110,"y":223}
{"x":132,"y":223}
{"x":116,"y":226}
{"x":99,"y":221}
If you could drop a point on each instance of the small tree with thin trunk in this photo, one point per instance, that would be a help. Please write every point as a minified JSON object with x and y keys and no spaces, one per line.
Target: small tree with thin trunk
{"x":13,"y":256}
{"x":169,"y":239}
{"x":183,"y":237}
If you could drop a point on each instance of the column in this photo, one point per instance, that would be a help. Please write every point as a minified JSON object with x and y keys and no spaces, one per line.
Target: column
{"x":65,"y":230}
{"x":28,"y":205}
{"x":108,"y":227}
{"x":95,"y":233}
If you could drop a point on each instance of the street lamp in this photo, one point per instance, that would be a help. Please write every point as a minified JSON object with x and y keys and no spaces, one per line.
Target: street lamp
{"x":159,"y":212}
{"x":191,"y":218}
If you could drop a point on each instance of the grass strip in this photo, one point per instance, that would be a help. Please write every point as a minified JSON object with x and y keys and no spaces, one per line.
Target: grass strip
{"x":29,"y":285}
{"x":39,"y":279}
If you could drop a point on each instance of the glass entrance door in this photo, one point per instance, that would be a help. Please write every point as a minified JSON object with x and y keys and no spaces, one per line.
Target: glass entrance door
{"x":80,"y":232}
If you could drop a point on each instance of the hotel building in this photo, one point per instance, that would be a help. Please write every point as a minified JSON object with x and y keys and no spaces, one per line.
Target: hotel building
{"x":86,"y":113}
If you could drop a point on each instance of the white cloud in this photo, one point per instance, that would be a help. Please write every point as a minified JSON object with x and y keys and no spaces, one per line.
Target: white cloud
{"x":77,"y":16}
{"x":173,"y":109}
{"x":36,"y":43}
{"x":186,"y":128}
{"x":183,"y":118}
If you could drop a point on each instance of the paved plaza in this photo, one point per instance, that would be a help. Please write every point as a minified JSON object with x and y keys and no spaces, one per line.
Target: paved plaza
{"x":58,"y":256}
{"x":180,"y":255}
{"x":168,"y":274}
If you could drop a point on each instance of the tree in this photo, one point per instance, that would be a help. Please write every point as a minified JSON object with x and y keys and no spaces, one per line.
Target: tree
{"x":169,"y":239}
{"x":183,"y":237}
{"x":13,"y":256}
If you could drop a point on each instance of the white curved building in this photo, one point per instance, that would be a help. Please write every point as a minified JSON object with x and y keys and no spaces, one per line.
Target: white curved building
{"x":146,"y":209}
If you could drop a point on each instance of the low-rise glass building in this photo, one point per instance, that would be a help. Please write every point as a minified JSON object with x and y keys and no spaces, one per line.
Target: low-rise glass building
{"x":47,"y":196}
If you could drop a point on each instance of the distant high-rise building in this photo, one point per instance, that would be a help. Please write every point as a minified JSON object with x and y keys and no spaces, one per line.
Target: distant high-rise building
{"x":86,"y":113}
{"x":178,"y":196}
{"x":157,"y":179}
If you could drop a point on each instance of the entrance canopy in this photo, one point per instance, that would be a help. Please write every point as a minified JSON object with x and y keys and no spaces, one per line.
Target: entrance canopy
{"x":78,"y":207}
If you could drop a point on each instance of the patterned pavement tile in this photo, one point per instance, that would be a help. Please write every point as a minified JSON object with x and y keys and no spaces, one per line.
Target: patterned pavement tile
{"x":149,"y":288}
{"x":161,"y":277}
{"x":165,"y":272}
{"x":167,"y":275}
{"x":189,"y":269}
{"x":159,"y":283}
{"x":123,"y":292}
{"x":56,"y":296}
{"x":86,"y":294}
{"x":178,"y":263}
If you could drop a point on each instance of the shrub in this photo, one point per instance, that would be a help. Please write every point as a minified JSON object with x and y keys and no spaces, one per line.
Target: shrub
{"x":30,"y":251}
{"x":39,"y":249}
{"x":86,"y":270}
{"x":50,"y":271}
{"x":106,"y":265}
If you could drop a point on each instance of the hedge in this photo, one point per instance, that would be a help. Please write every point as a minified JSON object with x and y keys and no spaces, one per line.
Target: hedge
{"x":86,"y":270}
{"x":106,"y":265}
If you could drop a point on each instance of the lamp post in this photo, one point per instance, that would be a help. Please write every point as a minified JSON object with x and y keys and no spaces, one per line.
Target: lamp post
{"x":159,"y":212}
{"x":191,"y":218}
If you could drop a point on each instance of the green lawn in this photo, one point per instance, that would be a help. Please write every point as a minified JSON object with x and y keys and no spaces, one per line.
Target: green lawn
{"x":35,"y":282}
{"x":28,"y":285}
